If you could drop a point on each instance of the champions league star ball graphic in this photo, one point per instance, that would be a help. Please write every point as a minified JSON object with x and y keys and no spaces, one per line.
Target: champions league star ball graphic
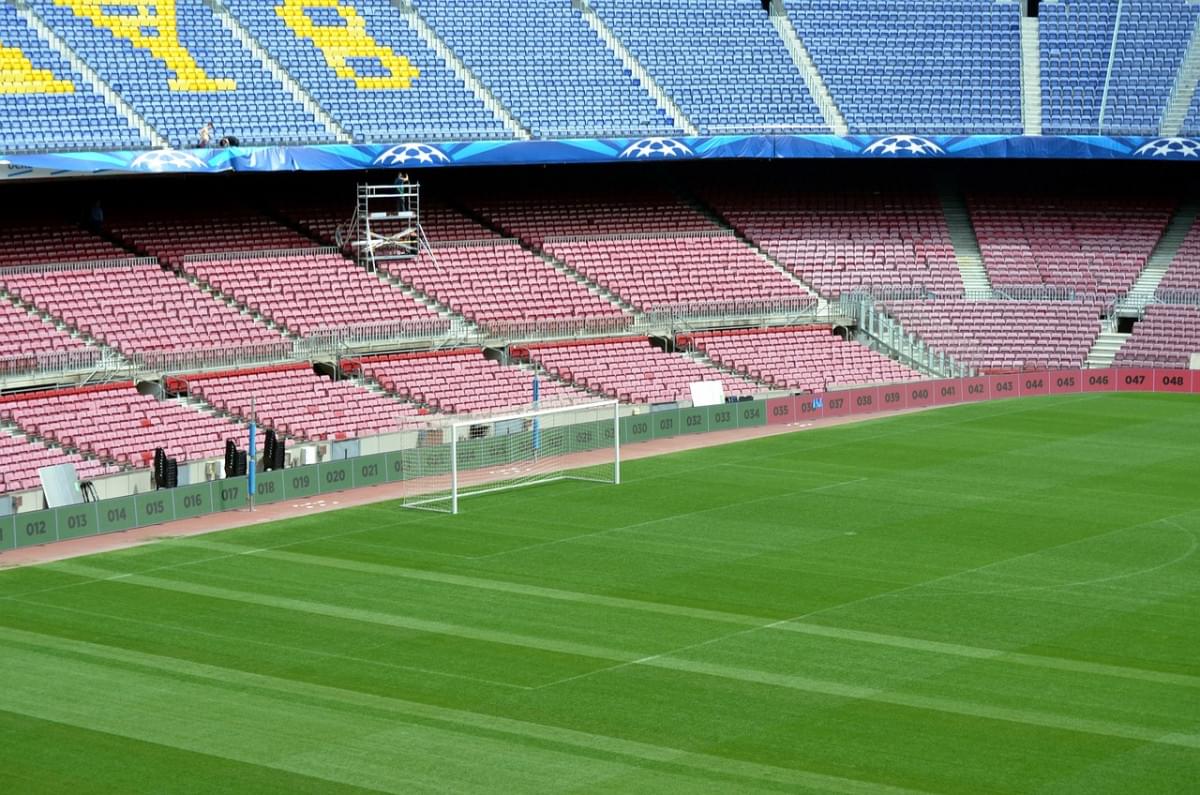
{"x":904,"y":146}
{"x":1170,"y":148}
{"x":168,"y":160}
{"x":656,"y":147}
{"x":411,"y":153}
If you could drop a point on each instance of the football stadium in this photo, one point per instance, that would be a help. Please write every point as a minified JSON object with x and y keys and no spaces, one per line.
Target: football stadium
{"x":596,"y":396}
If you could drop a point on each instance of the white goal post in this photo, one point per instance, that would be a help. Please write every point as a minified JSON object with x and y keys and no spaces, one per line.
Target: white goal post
{"x":458,"y":456}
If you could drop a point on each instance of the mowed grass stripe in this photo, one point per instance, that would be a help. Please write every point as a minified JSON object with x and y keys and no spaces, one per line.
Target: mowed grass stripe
{"x":555,"y":594}
{"x":997,"y":612}
{"x":658,"y":660}
{"x":348,"y":699}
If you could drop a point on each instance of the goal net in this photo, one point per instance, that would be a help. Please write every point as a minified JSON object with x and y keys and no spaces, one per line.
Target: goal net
{"x":456,"y":457}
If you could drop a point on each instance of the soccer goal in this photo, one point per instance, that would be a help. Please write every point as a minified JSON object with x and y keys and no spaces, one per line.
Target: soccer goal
{"x":458,"y":457}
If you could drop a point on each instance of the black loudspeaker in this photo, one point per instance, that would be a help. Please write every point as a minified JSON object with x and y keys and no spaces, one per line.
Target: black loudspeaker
{"x":230,"y":456}
{"x":269,"y":444}
{"x":277,"y":458}
{"x":239,"y":464}
{"x":171,"y":473}
{"x":160,"y":462}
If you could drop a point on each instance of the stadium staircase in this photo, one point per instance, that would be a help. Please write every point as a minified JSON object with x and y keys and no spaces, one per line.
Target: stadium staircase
{"x":808,"y":69}
{"x":98,"y":84}
{"x":1184,"y":89}
{"x":1142,"y":292}
{"x":966,"y":244}
{"x":1031,"y":76}
{"x":1105,"y":349}
{"x":630,"y":62}
{"x":435,"y":42}
{"x":277,"y":71}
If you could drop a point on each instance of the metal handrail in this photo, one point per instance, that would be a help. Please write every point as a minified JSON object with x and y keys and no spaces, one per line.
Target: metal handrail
{"x":79,"y":265}
{"x":222,"y":256}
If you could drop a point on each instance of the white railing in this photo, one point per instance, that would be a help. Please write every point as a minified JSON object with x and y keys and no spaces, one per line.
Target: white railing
{"x":1177,"y":295}
{"x":83,"y":265}
{"x":227,"y":358}
{"x":222,"y":256}
{"x":332,"y":340}
{"x":475,"y":243}
{"x":51,"y":362}
{"x":1030,"y":292}
{"x":666,"y":233}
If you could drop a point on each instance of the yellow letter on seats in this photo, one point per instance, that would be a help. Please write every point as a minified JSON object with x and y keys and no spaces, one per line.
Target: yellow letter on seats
{"x":156,"y":17}
{"x":19,"y":76}
{"x":338,"y":42}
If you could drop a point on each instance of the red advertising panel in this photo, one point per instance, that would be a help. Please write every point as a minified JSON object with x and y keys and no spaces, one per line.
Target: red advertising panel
{"x":781,"y":411}
{"x":1196,"y":380}
{"x":920,"y":393}
{"x":1036,"y":383}
{"x":1004,"y":386}
{"x":977,"y":388}
{"x":1135,"y":379}
{"x":1172,"y":380}
{"x":1099,"y":380}
{"x":1064,"y":381}
{"x":808,"y":407}
{"x":864,"y":401}
{"x":893,"y":397}
{"x":834,"y":404}
{"x":947,"y":391}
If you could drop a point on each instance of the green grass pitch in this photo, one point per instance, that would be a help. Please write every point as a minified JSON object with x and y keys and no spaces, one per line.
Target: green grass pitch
{"x":1002,"y":597}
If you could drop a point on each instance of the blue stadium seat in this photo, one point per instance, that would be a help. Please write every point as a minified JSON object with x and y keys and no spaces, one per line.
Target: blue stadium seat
{"x":721,"y":61}
{"x":58,"y":110}
{"x":929,"y":66}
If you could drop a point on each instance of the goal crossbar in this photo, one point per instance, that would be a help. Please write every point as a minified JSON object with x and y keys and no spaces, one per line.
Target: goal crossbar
{"x":465,"y":456}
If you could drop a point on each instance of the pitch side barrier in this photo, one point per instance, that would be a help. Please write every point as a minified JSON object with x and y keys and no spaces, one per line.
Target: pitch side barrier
{"x":186,"y":502}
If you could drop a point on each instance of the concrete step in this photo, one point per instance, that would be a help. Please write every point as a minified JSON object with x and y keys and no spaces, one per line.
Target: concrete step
{"x":1105,"y":349}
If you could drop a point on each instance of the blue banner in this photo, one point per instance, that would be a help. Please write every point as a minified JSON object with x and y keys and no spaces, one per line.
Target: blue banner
{"x":339,"y":157}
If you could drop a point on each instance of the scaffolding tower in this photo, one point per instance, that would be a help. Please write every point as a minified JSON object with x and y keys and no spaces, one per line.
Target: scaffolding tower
{"x":386,"y":225}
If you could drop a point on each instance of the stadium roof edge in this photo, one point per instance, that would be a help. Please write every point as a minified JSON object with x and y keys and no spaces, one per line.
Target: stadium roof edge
{"x":413,"y":155}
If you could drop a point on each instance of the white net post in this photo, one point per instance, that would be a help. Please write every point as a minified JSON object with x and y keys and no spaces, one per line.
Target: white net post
{"x":457,"y":457}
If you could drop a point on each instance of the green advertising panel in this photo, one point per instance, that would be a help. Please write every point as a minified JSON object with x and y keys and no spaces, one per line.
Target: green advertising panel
{"x":76,"y":521}
{"x":154,"y":507}
{"x":585,"y":436}
{"x":38,"y":527}
{"x":751,"y":413}
{"x":335,"y":475}
{"x":229,"y":494}
{"x":117,"y":514}
{"x":693,"y":420}
{"x":7,"y":535}
{"x":268,"y":487}
{"x":396,"y":466}
{"x":664,"y":423}
{"x":722,"y":417}
{"x":301,"y":481}
{"x":370,"y":470}
{"x":194,"y":500}
{"x":636,"y":428}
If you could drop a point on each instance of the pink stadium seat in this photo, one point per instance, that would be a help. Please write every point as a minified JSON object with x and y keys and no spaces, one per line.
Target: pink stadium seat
{"x":1166,"y":336}
{"x":500,"y":281}
{"x":462,"y":381}
{"x":631,"y":370}
{"x":137,"y":307}
{"x":1004,"y":334}
{"x":305,"y":291}
{"x":120,"y":425}
{"x":22,"y":333}
{"x":838,"y":242}
{"x":35,"y":242}
{"x":807,"y":358}
{"x":20,"y":461}
{"x":297,"y":402}
{"x":1096,"y":247}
